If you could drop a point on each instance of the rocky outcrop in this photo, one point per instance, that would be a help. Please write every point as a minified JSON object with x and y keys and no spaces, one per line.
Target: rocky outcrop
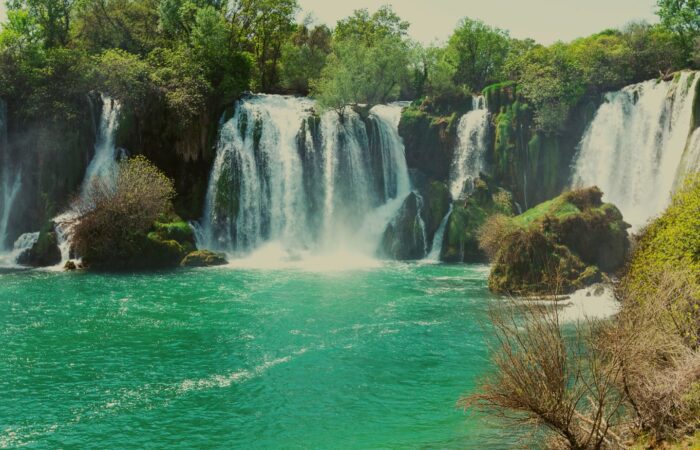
{"x":44,"y":252}
{"x":405,"y":238}
{"x":203,"y":258}
{"x":461,"y":242}
{"x":409,"y":235}
{"x":559,"y":246}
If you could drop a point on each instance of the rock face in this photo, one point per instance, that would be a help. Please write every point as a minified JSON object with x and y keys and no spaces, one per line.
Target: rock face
{"x":461,"y":242}
{"x":44,"y":252}
{"x":410,"y":234}
{"x":405,"y":238}
{"x":203,"y":258}
{"x":559,"y":246}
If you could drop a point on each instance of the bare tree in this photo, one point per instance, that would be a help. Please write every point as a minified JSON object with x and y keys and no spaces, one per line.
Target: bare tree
{"x":551,"y":381}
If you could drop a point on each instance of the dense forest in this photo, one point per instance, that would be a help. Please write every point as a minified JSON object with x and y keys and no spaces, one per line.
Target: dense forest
{"x":188,"y":56}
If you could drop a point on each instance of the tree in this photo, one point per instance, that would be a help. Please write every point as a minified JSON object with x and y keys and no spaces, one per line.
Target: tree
{"x":263,"y":27}
{"x":478,"y":52}
{"x":682,"y":17}
{"x":303,"y":57}
{"x":551,"y":80}
{"x":370,"y":60}
{"x":52,"y":16}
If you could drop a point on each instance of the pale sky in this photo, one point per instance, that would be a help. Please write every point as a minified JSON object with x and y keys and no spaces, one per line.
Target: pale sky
{"x":546,"y":21}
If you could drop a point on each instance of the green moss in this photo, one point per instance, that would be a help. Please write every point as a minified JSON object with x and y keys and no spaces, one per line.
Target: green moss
{"x":670,"y":242}
{"x":568,"y":240}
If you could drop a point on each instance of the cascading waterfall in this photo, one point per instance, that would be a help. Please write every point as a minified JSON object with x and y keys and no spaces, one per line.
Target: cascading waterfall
{"x":10,"y":181}
{"x":472,"y":133}
{"x":101,"y":169}
{"x":436,"y":247}
{"x":633,"y":148}
{"x":285,"y":175}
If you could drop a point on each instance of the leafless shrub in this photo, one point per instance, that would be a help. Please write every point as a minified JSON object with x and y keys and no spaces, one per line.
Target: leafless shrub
{"x":545,"y":379}
{"x":655,"y":338}
{"x":492,"y":233}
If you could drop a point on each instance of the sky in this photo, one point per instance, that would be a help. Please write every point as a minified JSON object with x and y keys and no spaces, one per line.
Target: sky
{"x":546,"y":21}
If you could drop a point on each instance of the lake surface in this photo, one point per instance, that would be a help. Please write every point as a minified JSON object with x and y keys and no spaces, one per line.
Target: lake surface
{"x":241,"y":358}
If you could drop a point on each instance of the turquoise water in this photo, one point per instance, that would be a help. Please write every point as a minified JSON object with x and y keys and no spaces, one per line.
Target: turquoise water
{"x":233,"y":358}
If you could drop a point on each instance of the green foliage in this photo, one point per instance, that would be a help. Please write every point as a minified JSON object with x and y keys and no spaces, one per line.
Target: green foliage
{"x":303,"y":58}
{"x":53,"y":18}
{"x":672,"y":240}
{"x":569,"y":240}
{"x":126,"y":77}
{"x":477,"y":52}
{"x":682,"y":17}
{"x":370,"y":60}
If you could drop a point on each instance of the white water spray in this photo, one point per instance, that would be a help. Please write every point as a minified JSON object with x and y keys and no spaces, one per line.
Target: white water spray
{"x":10,"y":181}
{"x":290,"y":183}
{"x":472,"y":133}
{"x":633,"y":148}
{"x":102,"y":169}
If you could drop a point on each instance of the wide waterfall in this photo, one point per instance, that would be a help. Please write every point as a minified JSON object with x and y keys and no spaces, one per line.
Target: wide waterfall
{"x":633,"y":148}
{"x":10,"y":181}
{"x":102,"y":170}
{"x":472,"y":134}
{"x":285,"y":176}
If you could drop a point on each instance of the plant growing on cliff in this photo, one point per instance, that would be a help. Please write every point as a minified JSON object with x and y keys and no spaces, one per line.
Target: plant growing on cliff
{"x":113,"y":217}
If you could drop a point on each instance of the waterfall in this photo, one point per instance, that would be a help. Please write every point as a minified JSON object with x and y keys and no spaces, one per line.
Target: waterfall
{"x":10,"y":182}
{"x":103,"y":167}
{"x":101,"y":170}
{"x":468,"y":160}
{"x":436,"y":247}
{"x":633,"y":148}
{"x":284,"y":174}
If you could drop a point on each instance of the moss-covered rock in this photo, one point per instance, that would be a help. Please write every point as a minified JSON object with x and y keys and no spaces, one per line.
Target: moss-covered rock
{"x":429,"y":141}
{"x":44,"y":252}
{"x":168,"y":241}
{"x":560,"y":245}
{"x":203,"y":258}
{"x":461,"y":241}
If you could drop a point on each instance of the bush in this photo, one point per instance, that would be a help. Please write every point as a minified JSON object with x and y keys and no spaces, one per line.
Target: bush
{"x":112,"y":220}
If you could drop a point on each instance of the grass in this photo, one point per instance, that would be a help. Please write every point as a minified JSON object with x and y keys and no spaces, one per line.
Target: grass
{"x":558,"y":207}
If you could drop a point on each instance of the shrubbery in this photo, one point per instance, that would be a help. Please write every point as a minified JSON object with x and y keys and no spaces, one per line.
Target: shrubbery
{"x":112,"y":222}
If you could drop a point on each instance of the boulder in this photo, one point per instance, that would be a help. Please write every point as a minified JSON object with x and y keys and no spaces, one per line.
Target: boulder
{"x":404,"y":238}
{"x":44,"y":252}
{"x":559,"y":246}
{"x":203,"y":258}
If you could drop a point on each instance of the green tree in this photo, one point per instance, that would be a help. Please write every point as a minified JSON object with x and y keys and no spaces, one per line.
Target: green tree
{"x":52,"y":16}
{"x":682,"y":17}
{"x":370,"y":60}
{"x":124,"y":24}
{"x":303,"y":57}
{"x":478,"y":53}
{"x":264,"y":26}
{"x":553,"y":83}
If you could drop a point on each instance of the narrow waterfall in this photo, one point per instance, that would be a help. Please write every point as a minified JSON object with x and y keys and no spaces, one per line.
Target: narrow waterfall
{"x":285,"y":175}
{"x":436,"y":247}
{"x":102,"y":169}
{"x":468,"y":161}
{"x":10,"y":181}
{"x":633,"y":148}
